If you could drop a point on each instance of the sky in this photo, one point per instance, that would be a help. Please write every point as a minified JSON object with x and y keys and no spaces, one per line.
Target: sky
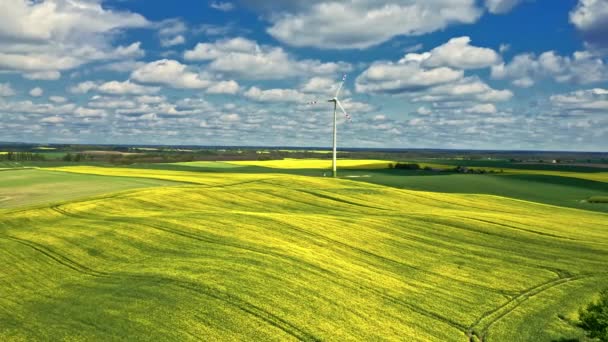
{"x":473,"y":74}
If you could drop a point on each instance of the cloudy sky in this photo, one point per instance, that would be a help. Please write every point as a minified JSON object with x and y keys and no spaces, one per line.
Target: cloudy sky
{"x":484,"y":74}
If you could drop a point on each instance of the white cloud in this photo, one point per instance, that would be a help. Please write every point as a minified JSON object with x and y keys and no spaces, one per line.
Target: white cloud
{"x":466,"y":89}
{"x":379,"y":117}
{"x":458,"y":53}
{"x":110,"y":102}
{"x":36,"y":92}
{"x":224,"y":87}
{"x":52,"y":119}
{"x":222,"y":6}
{"x":501,"y":6}
{"x":318,"y":85}
{"x":88,"y":112}
{"x":275,"y":95}
{"x":28,"y":107}
{"x":583,"y":100}
{"x":43,"y":75}
{"x":484,"y":108}
{"x":233,"y":117}
{"x":177,"y":40}
{"x":363,"y":23}
{"x":524,"y":82}
{"x":424,"y":111}
{"x":171,"y":73}
{"x":83,"y":87}
{"x":404,"y":76}
{"x":245,"y":58}
{"x":171,"y":32}
{"x":126,"y":87}
{"x":57,"y":99}
{"x":53,"y":35}
{"x":113,"y":87}
{"x":122,"y":66}
{"x":6,"y":89}
{"x":150,"y":99}
{"x":591,"y":18}
{"x":524,"y":69}
{"x":439,"y":71}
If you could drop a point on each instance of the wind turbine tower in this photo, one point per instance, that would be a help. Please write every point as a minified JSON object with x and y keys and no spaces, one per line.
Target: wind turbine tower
{"x":336,"y":101}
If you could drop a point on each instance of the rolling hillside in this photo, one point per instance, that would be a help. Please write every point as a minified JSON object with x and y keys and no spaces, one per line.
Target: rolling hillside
{"x":285,"y":257}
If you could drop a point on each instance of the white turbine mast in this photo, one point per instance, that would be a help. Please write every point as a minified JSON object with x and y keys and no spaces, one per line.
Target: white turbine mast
{"x":336,"y":102}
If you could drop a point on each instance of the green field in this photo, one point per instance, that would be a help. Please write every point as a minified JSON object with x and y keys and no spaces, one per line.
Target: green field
{"x":31,"y":186}
{"x":227,"y":252}
{"x":555,"y":190}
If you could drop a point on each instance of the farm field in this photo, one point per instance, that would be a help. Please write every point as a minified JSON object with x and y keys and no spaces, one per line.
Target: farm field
{"x":554,"y":190}
{"x":275,"y":256}
{"x":555,"y":187}
{"x":33,"y":186}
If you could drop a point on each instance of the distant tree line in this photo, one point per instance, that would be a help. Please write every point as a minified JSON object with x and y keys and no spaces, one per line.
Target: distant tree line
{"x":22,"y":156}
{"x":76,"y":157}
{"x":457,"y":169}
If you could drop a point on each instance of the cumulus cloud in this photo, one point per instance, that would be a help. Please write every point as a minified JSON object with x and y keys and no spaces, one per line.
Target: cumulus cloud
{"x":524,"y":69}
{"x":52,"y":120}
{"x":417,"y":72}
{"x":458,"y":53}
{"x":423,"y":111}
{"x":275,"y":95}
{"x":501,"y":6}
{"x":171,"y":73}
{"x":468,"y":88}
{"x":403,"y":76}
{"x":177,"y":40}
{"x":57,"y":99}
{"x":36,"y":92}
{"x":126,"y":87}
{"x":590,"y":17}
{"x":582,"y":100}
{"x":360,"y":23}
{"x":83,"y":87}
{"x":483,"y":108}
{"x":43,"y":75}
{"x":245,"y":58}
{"x":89,"y":112}
{"x":70,"y":34}
{"x":113,"y":87}
{"x":224,"y":87}
{"x":171,"y":32}
{"x":6,"y":89}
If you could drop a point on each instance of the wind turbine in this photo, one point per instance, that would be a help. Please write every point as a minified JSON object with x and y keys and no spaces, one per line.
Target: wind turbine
{"x":336,"y":102}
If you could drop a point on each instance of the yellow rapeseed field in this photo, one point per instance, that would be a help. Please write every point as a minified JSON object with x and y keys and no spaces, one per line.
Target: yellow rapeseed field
{"x":230,"y":256}
{"x":317,"y":163}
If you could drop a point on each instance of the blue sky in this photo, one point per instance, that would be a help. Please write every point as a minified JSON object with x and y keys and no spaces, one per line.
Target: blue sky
{"x":483,"y":74}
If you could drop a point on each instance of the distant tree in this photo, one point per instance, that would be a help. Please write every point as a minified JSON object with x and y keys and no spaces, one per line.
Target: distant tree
{"x":407,"y":166}
{"x":67,"y":157}
{"x":594,"y":318}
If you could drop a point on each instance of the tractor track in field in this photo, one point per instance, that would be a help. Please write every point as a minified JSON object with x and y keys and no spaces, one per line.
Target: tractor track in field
{"x":521,"y":229}
{"x":60,"y":259}
{"x":336,"y":199}
{"x":509,"y":306}
{"x":327,"y":274}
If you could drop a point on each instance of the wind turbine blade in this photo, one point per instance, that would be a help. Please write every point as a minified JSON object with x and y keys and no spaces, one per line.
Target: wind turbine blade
{"x":343,"y":111}
{"x":341,"y":85}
